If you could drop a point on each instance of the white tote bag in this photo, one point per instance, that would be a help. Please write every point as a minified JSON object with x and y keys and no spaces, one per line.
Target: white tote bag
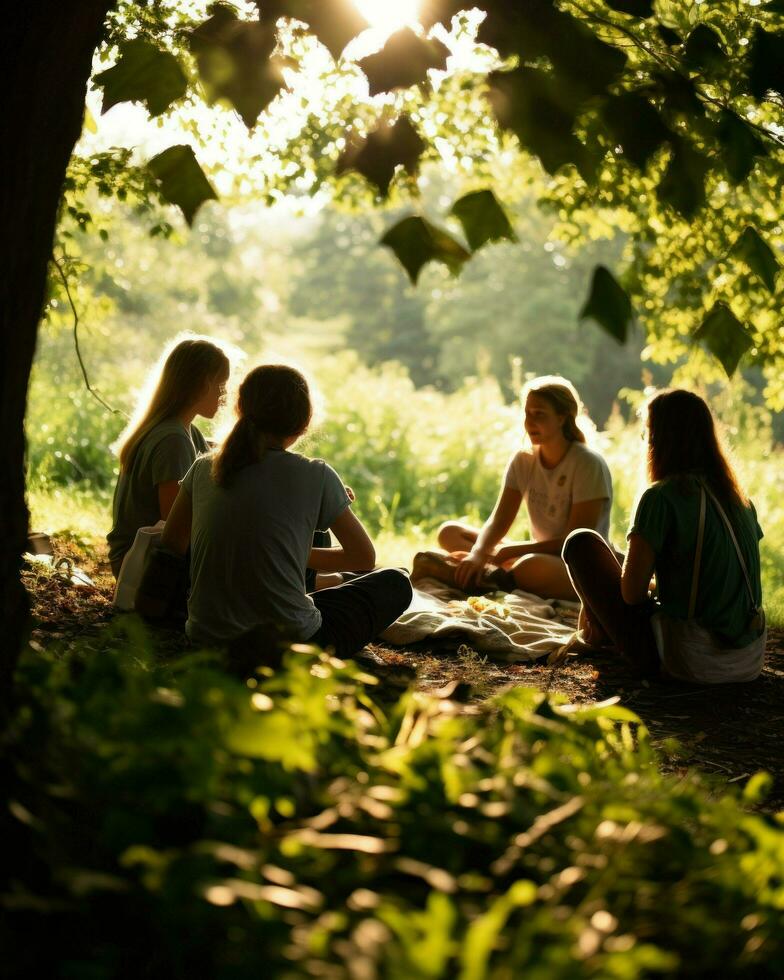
{"x":133,"y":566}
{"x":688,"y":651}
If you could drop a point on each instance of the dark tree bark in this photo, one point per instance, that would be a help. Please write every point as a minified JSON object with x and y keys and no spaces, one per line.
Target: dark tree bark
{"x":49,"y":46}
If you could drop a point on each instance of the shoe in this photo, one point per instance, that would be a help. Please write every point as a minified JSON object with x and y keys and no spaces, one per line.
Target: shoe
{"x":434,"y":564}
{"x":442,"y":567}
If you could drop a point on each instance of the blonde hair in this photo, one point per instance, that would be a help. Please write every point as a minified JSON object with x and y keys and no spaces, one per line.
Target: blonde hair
{"x":562,"y":396}
{"x":190,"y":365}
{"x":273,"y":403}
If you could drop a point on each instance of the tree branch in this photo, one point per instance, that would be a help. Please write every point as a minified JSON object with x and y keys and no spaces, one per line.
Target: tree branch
{"x":594,"y":17}
{"x":93,"y":391}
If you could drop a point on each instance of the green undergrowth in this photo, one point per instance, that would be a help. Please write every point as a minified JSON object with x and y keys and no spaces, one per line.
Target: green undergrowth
{"x":167,"y":819}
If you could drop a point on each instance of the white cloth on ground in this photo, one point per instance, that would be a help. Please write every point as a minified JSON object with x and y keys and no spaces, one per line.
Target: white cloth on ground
{"x":521,"y":627}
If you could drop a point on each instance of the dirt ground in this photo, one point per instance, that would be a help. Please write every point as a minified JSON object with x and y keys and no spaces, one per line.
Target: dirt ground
{"x":728,"y":732}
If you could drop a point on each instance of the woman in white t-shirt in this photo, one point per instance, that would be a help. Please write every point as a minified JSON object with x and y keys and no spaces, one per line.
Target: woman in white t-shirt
{"x":564,"y":485}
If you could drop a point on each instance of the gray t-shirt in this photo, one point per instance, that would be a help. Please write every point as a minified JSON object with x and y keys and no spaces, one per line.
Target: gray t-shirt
{"x":250,"y":544}
{"x":166,"y":453}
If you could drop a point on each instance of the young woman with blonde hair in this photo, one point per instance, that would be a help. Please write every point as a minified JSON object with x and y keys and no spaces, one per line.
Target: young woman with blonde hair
{"x":159,"y":446}
{"x":696,"y":529}
{"x":562,"y":482}
{"x":249,"y":513}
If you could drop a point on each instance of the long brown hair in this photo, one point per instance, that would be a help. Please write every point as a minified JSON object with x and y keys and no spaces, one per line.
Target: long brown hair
{"x":189,"y":367}
{"x":273,"y":404}
{"x":562,"y":396}
{"x":682,"y":439}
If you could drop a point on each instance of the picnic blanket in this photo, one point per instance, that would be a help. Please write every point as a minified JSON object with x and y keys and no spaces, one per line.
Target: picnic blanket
{"x":512,"y":626}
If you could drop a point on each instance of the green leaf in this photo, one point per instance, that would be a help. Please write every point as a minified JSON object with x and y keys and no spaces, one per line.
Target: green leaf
{"x":333,"y":22}
{"x":404,"y":61}
{"x":584,"y":66}
{"x":703,"y":49}
{"x":724,"y":336}
{"x":670,"y":37}
{"x":683,"y":185}
{"x":758,"y":787}
{"x":679,"y":95}
{"x":377,"y":155}
{"x":635,"y":8}
{"x":752,"y":249}
{"x":739,"y":145}
{"x":608,"y":304}
{"x":416,"y":242}
{"x":143,"y":73}
{"x":526,"y":101}
{"x":236,"y":63}
{"x":634,"y":123}
{"x":767,"y":63}
{"x":483,"y":219}
{"x":182,"y":180}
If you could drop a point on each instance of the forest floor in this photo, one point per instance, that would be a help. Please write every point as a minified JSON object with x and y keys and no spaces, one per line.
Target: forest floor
{"x":728,"y":732}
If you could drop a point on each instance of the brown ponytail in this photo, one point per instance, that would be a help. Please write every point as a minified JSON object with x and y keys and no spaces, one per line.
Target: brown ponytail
{"x":273,"y":404}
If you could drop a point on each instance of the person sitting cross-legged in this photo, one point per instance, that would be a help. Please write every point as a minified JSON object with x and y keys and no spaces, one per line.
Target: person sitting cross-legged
{"x":249,"y":512}
{"x":562,"y":483}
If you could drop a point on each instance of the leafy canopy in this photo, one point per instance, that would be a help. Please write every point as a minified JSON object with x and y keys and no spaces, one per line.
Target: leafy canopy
{"x":662,"y":119}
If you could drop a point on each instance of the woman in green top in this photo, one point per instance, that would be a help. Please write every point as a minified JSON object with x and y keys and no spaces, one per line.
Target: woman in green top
{"x":715,"y":634}
{"x":160,"y":444}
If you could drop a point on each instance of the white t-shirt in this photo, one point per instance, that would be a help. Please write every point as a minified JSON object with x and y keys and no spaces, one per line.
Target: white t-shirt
{"x":250,"y":544}
{"x":581,"y":475}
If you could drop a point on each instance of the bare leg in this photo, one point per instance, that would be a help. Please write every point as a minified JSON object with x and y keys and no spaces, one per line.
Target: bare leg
{"x":544,"y":575}
{"x":596,"y":575}
{"x":453,"y":536}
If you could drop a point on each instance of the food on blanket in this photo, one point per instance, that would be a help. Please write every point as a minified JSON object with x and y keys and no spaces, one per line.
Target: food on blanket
{"x":481,"y":604}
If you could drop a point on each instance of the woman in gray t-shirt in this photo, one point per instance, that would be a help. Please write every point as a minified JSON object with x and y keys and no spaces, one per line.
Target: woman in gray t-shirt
{"x":248,"y":515}
{"x":158,"y":449}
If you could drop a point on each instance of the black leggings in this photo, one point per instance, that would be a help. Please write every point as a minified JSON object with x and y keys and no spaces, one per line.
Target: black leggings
{"x":356,"y":612}
{"x":596,"y":576}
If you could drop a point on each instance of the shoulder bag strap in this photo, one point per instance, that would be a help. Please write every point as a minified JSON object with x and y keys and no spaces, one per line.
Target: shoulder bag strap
{"x":726,"y":520}
{"x":695,"y":576}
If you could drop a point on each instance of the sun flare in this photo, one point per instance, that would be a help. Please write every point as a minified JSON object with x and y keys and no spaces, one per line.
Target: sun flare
{"x":388,"y":16}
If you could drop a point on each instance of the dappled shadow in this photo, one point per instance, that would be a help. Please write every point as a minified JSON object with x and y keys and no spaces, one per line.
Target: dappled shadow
{"x":728,"y":731}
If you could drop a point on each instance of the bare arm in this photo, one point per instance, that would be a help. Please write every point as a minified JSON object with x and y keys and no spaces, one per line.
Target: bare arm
{"x":584,"y":514}
{"x":356,"y":552}
{"x":177,"y":533}
{"x":637,"y":570}
{"x":499,"y":522}
{"x":495,"y":527}
{"x":167,"y":494}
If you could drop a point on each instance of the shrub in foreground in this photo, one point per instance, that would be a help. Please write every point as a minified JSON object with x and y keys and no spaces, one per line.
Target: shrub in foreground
{"x":166,"y":819}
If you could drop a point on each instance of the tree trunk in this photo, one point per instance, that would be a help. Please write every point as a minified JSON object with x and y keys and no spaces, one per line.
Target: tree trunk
{"x":49,"y":50}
